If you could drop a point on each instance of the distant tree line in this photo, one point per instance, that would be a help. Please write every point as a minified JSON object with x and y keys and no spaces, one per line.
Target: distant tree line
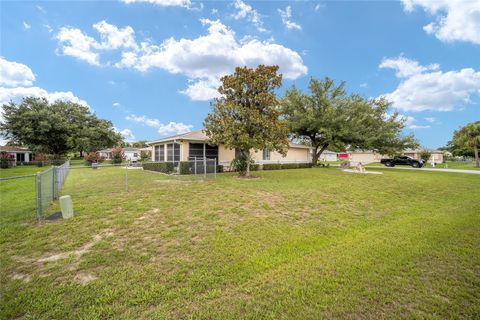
{"x":56,"y":128}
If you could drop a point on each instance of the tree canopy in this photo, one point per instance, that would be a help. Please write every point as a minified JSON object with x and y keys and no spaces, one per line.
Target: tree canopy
{"x":468,"y":138}
{"x":56,"y":128}
{"x":327,"y":117}
{"x":245,"y":116}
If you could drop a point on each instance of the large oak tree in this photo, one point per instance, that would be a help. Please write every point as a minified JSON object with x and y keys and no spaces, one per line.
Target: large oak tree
{"x":245,"y":117}
{"x":56,"y":128}
{"x":327,"y":117}
{"x":468,"y":138}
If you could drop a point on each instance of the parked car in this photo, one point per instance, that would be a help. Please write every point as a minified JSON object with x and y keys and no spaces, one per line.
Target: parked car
{"x":402,"y":161}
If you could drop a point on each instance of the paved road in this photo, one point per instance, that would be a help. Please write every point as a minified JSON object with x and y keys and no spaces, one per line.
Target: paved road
{"x":427,"y":169}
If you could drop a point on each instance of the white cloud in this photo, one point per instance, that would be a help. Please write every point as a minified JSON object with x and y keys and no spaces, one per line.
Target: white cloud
{"x":363,"y":85}
{"x":319,"y":6}
{"x":127,"y":134}
{"x":173,"y":128}
{"x":245,"y":11}
{"x":17,"y":94}
{"x":114,"y":37}
{"x":454,"y":20}
{"x":415,"y":126}
{"x":48,"y":27}
{"x":428,"y":88}
{"x":116,"y":104}
{"x":170,"y":128}
{"x":203,"y":60}
{"x":164,"y":3}
{"x":430,"y":119}
{"x":73,"y":42}
{"x":214,"y":11}
{"x":155,"y":123}
{"x":206,"y":58}
{"x":286,"y":16}
{"x":15,"y":74}
{"x":78,"y":45}
{"x":406,"y":67}
{"x":26,"y":25}
{"x":39,"y":8}
{"x":202,"y":90}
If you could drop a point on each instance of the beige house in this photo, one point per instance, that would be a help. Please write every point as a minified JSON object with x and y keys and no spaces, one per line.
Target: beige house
{"x":372,"y":156}
{"x":193,"y":145}
{"x":18,"y":154}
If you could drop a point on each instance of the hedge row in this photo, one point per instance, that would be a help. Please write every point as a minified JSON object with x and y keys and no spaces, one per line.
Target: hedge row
{"x":279,"y":166}
{"x":165,"y":167}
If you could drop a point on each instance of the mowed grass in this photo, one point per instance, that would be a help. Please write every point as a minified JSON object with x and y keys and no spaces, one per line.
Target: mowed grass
{"x":445,"y":165}
{"x":18,"y":197}
{"x":301,"y":244}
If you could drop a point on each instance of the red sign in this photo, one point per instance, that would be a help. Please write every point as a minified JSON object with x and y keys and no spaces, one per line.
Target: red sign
{"x":343,"y":155}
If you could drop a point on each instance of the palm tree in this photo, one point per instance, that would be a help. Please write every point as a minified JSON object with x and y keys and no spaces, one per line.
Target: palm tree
{"x":469,"y":136}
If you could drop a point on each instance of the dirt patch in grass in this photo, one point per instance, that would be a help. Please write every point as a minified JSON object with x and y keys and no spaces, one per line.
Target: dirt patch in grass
{"x":84,"y":278}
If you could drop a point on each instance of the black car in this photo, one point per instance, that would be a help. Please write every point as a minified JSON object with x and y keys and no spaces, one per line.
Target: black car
{"x":402,"y":161}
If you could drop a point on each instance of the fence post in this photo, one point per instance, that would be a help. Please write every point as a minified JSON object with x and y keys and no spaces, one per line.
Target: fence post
{"x":126,"y":177}
{"x":195,"y":159}
{"x":204,"y":167}
{"x":39,"y":197}
{"x":54,"y":175}
{"x":215,"y":168}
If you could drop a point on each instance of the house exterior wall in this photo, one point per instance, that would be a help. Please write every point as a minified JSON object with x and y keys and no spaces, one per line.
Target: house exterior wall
{"x":225,"y":155}
{"x":364,"y":157}
{"x":328,"y":157}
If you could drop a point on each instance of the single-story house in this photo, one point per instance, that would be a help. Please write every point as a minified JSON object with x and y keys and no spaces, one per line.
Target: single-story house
{"x":194,"y":145}
{"x":372,"y":156}
{"x":131,"y":154}
{"x":328,"y":156}
{"x":19,"y":154}
{"x":436,"y":155}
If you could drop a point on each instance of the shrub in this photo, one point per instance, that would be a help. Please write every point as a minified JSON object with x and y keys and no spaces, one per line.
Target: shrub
{"x":308,"y":165}
{"x":240,"y":165}
{"x":289,"y":165}
{"x":272,"y":166}
{"x":219,"y":168}
{"x":184,"y":167}
{"x":117,"y":155}
{"x":254,"y":167}
{"x":91,"y":157}
{"x":165,"y":167}
{"x":6,"y":160}
{"x":144,"y":155}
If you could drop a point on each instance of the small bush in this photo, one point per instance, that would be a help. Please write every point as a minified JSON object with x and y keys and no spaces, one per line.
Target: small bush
{"x":219,"y":168}
{"x":165,"y":167}
{"x":254,"y":167}
{"x":117,"y":155}
{"x":184,"y":167}
{"x":272,"y":166}
{"x":307,"y":165}
{"x":290,"y":166}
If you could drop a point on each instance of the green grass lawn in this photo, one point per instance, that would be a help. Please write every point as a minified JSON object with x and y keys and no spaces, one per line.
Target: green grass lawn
{"x":302,"y":244}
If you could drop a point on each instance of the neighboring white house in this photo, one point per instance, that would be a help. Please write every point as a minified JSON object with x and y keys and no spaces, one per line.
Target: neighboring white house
{"x":19,"y":154}
{"x":328,"y":156}
{"x":131,"y":154}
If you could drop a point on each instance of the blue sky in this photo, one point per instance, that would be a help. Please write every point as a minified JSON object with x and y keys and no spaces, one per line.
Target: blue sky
{"x":151,"y":66}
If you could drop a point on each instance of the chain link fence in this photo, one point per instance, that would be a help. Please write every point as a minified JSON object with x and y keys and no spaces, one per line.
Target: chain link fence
{"x":23,"y":196}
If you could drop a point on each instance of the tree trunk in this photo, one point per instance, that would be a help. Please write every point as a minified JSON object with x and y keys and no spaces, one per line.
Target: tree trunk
{"x":315,"y":156}
{"x":323,"y":148}
{"x":247,"y":174}
{"x":477,"y":159}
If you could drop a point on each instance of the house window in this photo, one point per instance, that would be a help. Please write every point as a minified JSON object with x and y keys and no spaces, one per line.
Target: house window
{"x":160,"y":153}
{"x":173,"y":153}
{"x":266,"y":154}
{"x":21,"y":157}
{"x":195,"y":151}
{"x":211,"y":151}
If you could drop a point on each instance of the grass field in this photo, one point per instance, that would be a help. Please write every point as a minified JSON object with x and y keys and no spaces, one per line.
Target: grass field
{"x":303,"y":244}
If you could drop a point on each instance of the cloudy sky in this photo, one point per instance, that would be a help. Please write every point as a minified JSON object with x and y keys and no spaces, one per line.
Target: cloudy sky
{"x":151,"y":66}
